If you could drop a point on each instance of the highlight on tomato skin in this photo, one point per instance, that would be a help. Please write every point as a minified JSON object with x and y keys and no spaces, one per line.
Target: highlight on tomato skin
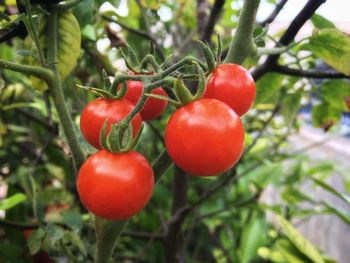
{"x":98,"y":111}
{"x":115,"y":186}
{"x":153,"y":107}
{"x":233,"y":85}
{"x":205,"y":137}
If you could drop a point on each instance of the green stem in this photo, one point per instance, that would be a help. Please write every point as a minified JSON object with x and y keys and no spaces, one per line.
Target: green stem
{"x":150,"y":59}
{"x":242,"y":43}
{"x":141,"y":102}
{"x":56,"y":88}
{"x":161,"y":165}
{"x":30,"y":70}
{"x":33,"y":33}
{"x":108,"y":233}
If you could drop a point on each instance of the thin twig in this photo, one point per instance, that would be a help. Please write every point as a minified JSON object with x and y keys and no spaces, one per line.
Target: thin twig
{"x":213,"y":18}
{"x":278,"y":8}
{"x":308,"y":73}
{"x":304,"y":15}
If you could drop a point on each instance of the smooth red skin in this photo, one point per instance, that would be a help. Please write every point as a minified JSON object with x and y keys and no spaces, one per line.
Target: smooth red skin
{"x":153,"y":108}
{"x":115,"y":186}
{"x":205,"y":137}
{"x":97,"y":111}
{"x":232,"y":84}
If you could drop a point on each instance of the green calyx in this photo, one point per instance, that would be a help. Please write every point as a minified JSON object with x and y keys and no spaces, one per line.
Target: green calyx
{"x":120,"y":137}
{"x":182,"y":92}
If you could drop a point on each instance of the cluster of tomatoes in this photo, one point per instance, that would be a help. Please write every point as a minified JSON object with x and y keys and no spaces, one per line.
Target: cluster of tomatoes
{"x":204,"y":138}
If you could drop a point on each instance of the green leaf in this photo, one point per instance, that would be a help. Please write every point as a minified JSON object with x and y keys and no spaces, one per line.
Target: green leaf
{"x":333,"y":47}
{"x":53,"y":234}
{"x":84,"y":12}
{"x":72,"y":219}
{"x":290,"y":252}
{"x":321,"y":22}
{"x":324,"y":114}
{"x":12,"y":201}
{"x":291,"y":105}
{"x":253,"y":237}
{"x":267,"y":174}
{"x":35,"y":240}
{"x":343,"y":215}
{"x":303,"y":245}
{"x":69,"y":41}
{"x":88,"y":32}
{"x":267,"y":87}
{"x":334,"y":93}
{"x":330,"y":189}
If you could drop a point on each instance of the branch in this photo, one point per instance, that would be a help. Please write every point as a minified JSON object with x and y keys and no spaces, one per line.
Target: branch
{"x":173,"y":237}
{"x":56,"y":87}
{"x":304,"y":15}
{"x":214,"y":15}
{"x":274,"y":13}
{"x":308,"y":74}
{"x":242,"y":43}
{"x":38,"y":72}
{"x":202,"y":6}
{"x":137,"y":32}
{"x":18,"y":225}
{"x":235,"y":204}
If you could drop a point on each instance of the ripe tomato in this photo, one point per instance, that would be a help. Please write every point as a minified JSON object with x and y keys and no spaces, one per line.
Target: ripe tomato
{"x":97,"y":111}
{"x":153,"y":108}
{"x":115,"y":186}
{"x":232,"y":84}
{"x":204,"y":137}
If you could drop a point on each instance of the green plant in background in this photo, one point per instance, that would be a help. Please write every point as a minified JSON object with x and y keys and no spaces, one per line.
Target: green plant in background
{"x":53,"y":68}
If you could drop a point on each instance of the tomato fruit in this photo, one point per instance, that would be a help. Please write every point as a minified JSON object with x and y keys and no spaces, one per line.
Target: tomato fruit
{"x":232,"y":84}
{"x":153,"y":108}
{"x":97,"y":111}
{"x":204,"y":137}
{"x":115,"y":186}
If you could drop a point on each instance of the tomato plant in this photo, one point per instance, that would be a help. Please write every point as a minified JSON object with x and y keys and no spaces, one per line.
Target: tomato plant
{"x":115,"y":186}
{"x":153,"y":107}
{"x":98,"y":111}
{"x":205,"y":137}
{"x":49,"y":48}
{"x":232,"y":84}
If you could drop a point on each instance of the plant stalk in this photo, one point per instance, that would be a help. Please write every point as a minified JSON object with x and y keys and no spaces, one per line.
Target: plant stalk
{"x":56,"y":87}
{"x":242,"y":43}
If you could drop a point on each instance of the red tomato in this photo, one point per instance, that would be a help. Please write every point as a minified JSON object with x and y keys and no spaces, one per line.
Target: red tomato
{"x":232,"y":84}
{"x":204,"y":137}
{"x":97,"y":111}
{"x":115,"y":186}
{"x":153,"y":108}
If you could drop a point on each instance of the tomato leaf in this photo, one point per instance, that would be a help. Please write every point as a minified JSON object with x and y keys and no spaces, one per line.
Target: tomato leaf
{"x":69,"y":41}
{"x":299,"y":241}
{"x":290,"y":252}
{"x":333,"y":47}
{"x":35,"y":240}
{"x":267,"y":87}
{"x":334,"y":93}
{"x":12,"y":201}
{"x":323,"y":114}
{"x":330,"y":189}
{"x":253,"y":237}
{"x":321,"y":22}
